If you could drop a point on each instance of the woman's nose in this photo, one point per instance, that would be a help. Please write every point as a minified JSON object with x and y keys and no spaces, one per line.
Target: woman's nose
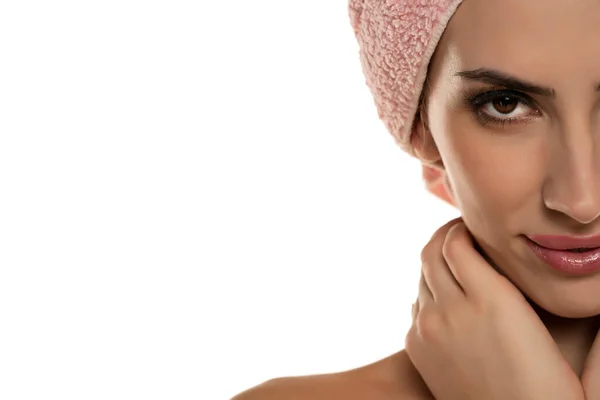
{"x":573,"y":186}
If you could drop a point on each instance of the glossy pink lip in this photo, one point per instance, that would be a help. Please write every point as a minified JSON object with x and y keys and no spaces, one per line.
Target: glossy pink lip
{"x":553,"y":250}
{"x":566,"y":242}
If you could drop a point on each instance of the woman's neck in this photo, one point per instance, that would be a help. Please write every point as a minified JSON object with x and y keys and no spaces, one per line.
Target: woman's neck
{"x":574,"y":337}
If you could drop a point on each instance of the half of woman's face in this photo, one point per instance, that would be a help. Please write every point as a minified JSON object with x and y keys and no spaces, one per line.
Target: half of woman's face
{"x":514,"y":110}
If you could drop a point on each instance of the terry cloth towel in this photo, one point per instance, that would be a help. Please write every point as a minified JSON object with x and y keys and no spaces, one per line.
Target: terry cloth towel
{"x":397,"y":39}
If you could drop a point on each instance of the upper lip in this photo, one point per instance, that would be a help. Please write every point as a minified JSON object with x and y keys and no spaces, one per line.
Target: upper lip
{"x":566,"y":242}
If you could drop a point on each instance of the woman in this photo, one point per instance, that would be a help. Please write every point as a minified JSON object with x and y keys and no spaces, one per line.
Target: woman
{"x":505,"y":116}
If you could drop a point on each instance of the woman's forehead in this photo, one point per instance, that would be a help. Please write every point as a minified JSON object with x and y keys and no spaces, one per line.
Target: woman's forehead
{"x":535,"y":38}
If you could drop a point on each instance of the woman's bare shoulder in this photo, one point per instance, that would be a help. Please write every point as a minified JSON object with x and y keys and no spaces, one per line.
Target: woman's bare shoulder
{"x":392,"y":378}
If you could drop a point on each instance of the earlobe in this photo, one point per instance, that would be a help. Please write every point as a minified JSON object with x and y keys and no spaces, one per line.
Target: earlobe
{"x":437,"y":183}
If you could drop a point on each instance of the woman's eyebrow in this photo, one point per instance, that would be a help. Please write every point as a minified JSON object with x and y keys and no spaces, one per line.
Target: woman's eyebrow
{"x":496,"y":77}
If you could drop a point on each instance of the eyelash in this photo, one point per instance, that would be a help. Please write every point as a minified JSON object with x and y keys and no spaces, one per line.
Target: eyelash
{"x":476,"y":101}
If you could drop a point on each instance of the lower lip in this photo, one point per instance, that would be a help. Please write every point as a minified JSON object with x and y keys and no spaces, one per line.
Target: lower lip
{"x":568,"y":261}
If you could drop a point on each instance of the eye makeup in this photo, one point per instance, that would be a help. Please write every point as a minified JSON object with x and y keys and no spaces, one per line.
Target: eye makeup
{"x":489,"y":106}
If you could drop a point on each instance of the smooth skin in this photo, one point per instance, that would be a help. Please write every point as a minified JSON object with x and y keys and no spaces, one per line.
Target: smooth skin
{"x":475,"y":336}
{"x":519,"y":160}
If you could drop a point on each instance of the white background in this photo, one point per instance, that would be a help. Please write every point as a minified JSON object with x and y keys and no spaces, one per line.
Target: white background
{"x":196,"y":197}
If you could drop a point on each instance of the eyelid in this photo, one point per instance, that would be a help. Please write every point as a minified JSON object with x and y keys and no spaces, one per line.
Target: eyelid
{"x":478,"y":98}
{"x":481,"y":97}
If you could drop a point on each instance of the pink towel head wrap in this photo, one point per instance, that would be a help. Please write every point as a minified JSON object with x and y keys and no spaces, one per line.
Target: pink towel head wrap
{"x":397,"y":39}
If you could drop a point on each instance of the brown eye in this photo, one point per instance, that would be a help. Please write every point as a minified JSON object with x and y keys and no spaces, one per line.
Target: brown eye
{"x":505,"y":104}
{"x":502,"y":106}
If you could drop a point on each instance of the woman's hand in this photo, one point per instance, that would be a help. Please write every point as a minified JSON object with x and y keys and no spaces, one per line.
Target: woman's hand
{"x":590,"y":377}
{"x":474,"y":336}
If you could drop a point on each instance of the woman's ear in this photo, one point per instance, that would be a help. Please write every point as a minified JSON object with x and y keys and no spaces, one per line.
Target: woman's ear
{"x":424,"y":145}
{"x":425,"y":148}
{"x":434,"y":172}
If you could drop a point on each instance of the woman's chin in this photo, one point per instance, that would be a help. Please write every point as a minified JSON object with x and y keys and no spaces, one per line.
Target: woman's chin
{"x":573,"y":313}
{"x":573,"y":307}
{"x":567,"y":297}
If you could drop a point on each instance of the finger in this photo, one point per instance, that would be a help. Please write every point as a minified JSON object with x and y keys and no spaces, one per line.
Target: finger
{"x":439,"y":277}
{"x":437,"y":239}
{"x":443,"y":285}
{"x":425,"y":295}
{"x":472,"y":272}
{"x":415,"y":309}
